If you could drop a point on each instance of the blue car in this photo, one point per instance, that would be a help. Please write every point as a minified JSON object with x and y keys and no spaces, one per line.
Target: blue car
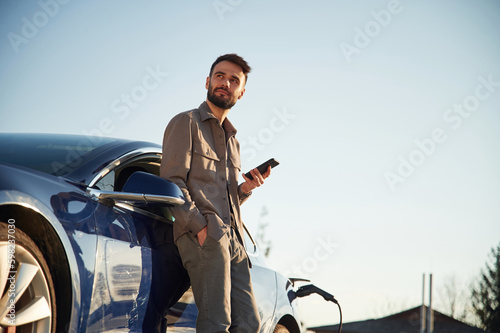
{"x":86,"y":242}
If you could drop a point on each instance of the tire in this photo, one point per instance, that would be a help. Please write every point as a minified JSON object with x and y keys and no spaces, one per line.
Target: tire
{"x":27,"y":291}
{"x":280,"y":329}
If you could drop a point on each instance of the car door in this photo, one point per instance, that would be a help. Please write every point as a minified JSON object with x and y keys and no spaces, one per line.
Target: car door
{"x":136,"y":260}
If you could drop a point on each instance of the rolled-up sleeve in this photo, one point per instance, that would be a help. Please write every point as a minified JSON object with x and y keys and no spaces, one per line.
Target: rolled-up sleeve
{"x":175,"y":166}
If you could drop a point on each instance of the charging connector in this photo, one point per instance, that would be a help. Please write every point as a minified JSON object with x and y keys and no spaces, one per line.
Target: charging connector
{"x":310,"y":289}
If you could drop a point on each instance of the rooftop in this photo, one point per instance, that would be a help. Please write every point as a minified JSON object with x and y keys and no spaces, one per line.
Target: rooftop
{"x":407,"y":321}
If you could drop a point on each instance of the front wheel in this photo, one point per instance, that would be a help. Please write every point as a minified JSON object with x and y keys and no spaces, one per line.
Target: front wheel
{"x":27,"y":292}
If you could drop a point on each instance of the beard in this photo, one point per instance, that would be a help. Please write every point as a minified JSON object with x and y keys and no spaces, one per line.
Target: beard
{"x":223,"y":101}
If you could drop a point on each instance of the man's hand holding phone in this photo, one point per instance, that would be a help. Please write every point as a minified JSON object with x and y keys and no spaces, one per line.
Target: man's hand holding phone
{"x":255,"y":177}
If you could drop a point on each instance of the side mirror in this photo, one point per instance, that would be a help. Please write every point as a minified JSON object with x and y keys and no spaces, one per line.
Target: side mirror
{"x":144,"y":189}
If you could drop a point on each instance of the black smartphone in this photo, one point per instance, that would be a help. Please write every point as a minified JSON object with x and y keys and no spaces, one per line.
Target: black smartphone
{"x":263,"y":167}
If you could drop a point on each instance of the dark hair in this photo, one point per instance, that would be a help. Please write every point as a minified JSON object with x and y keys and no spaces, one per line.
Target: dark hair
{"x":235,"y":59}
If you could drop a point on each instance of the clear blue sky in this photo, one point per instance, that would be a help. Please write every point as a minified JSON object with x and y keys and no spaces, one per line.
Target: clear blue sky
{"x":383,"y":114}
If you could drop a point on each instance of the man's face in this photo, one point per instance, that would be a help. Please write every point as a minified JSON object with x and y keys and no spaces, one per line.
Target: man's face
{"x":226,"y":85}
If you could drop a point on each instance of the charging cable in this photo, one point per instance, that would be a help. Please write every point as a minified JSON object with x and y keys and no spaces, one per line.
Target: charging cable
{"x":310,"y":289}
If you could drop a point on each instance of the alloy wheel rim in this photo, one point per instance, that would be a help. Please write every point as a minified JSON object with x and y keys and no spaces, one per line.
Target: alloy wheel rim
{"x":25,"y":295}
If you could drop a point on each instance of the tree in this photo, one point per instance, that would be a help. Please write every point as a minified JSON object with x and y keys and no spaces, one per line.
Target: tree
{"x":450,"y":294}
{"x":485,"y":294}
{"x":453,"y":298}
{"x":260,"y":237}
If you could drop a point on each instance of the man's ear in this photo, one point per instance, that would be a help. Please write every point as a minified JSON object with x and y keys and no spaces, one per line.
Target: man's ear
{"x":207,"y":83}
{"x":242,"y":92}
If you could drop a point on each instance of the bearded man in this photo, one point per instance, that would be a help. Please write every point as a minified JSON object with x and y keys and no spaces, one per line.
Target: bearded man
{"x":202,"y":156}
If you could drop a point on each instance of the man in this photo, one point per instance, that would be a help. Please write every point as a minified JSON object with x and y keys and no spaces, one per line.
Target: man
{"x":202,"y":156}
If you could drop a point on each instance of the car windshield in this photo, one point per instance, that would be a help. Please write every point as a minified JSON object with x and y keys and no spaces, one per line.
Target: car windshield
{"x":53,"y":154}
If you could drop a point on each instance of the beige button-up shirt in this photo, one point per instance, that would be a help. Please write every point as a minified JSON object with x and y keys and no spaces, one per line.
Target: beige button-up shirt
{"x":202,"y":157}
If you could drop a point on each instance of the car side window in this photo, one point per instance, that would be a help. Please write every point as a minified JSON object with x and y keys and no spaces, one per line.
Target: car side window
{"x":117,"y":177}
{"x":107,"y":183}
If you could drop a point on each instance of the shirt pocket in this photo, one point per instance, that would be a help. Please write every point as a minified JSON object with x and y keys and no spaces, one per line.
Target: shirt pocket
{"x":204,"y":162}
{"x":235,"y":162}
{"x":203,"y":149}
{"x":234,"y":165}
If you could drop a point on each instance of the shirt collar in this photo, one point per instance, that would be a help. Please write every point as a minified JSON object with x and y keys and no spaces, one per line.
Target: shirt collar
{"x":228,"y":127}
{"x":206,"y":114}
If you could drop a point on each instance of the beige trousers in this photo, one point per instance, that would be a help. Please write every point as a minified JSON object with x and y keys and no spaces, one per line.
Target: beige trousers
{"x":221,"y":283}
